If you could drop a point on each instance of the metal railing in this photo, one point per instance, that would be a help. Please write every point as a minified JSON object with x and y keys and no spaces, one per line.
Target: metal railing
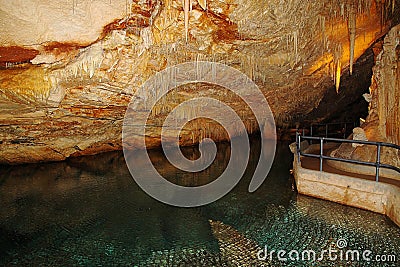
{"x":377,"y":164}
{"x":342,"y":129}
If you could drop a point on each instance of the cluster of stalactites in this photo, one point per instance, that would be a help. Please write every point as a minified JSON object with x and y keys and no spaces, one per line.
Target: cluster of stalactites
{"x":349,"y":9}
{"x":345,"y":9}
{"x":86,"y":64}
{"x":187,"y":7}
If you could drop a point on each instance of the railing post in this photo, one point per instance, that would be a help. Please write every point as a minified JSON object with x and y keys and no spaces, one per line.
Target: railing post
{"x":345,"y":131}
{"x":311,"y":133}
{"x":378,"y":161}
{"x":321,"y":153}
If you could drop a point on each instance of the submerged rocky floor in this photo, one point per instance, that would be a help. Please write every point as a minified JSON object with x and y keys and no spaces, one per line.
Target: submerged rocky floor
{"x":89,"y":212}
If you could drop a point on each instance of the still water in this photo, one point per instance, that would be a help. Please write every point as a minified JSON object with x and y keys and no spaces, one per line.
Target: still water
{"x":89,"y":212}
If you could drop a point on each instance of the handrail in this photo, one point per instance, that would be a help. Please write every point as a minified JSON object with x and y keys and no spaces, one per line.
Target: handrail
{"x":343,"y":125}
{"x":321,"y":156}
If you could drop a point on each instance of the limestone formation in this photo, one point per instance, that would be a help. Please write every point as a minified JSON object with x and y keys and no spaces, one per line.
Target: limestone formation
{"x":68,"y":69}
{"x":383,"y":121}
{"x":359,"y":134}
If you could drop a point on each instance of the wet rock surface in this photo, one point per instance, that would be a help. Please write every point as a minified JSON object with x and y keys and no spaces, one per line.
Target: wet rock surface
{"x":70,"y":98}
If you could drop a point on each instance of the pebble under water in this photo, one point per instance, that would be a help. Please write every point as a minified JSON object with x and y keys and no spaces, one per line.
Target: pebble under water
{"x":89,"y":212}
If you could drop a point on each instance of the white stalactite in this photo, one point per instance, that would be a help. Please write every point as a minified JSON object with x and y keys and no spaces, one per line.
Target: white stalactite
{"x":186,"y":8}
{"x":352,"y":35}
{"x":296,"y":44}
{"x":342,"y":10}
{"x":324,"y":38}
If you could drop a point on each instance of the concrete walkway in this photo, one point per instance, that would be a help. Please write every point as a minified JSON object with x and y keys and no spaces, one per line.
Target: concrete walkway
{"x":313,"y":164}
{"x":352,"y":189}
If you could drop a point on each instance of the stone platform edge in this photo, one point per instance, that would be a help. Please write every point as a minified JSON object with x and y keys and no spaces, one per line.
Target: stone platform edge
{"x":369,"y":195}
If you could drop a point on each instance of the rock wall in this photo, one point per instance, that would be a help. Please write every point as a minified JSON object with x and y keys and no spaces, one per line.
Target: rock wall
{"x":68,"y":70}
{"x":385,"y":89}
{"x":383,"y":121}
{"x":33,"y":22}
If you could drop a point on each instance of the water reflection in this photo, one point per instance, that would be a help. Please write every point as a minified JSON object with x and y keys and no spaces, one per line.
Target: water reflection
{"x":88,"y":211}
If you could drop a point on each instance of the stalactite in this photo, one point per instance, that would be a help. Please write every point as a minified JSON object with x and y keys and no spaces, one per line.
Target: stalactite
{"x":342,"y":10}
{"x":352,"y":35}
{"x":128,"y":7}
{"x":393,"y":5}
{"x":203,"y":4}
{"x":186,"y":9}
{"x":324,"y":38}
{"x":296,"y":44}
{"x":287,"y":42}
{"x":380,"y":6}
{"x":337,"y":55}
{"x":155,"y":12}
{"x":87,"y":62}
{"x":147,"y":37}
{"x":337,"y":78}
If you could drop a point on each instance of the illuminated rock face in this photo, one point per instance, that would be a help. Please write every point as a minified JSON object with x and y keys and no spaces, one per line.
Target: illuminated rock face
{"x":66,"y":93}
{"x":385,"y":89}
{"x":383,"y":121}
{"x":27,"y":22}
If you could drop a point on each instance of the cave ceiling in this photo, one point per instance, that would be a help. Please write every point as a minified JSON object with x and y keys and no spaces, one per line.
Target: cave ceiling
{"x":75,"y":64}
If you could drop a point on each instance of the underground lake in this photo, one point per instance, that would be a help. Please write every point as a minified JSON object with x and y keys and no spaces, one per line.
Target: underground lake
{"x":88,"y":211}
